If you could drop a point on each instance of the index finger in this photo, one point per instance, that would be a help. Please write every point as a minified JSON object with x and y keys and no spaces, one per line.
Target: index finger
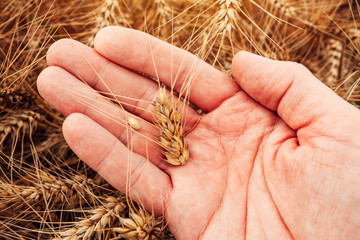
{"x":141,"y":52}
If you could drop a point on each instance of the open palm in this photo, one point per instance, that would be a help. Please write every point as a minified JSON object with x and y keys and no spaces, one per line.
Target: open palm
{"x":276,"y":159}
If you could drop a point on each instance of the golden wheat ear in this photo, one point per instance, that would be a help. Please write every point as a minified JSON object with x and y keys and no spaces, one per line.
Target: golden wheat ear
{"x":169,"y":122}
{"x":140,"y":225}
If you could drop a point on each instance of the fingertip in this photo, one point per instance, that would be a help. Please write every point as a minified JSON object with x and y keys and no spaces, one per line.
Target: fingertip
{"x":54,"y":84}
{"x":243,"y":59}
{"x":47,"y":81}
{"x":102,"y":34}
{"x":74,"y":118}
{"x":242,"y":55}
{"x":76,"y":130}
{"x":73,"y":124}
{"x":118,"y":43}
{"x":236,"y":62}
{"x":105,"y":37}
{"x":42,"y":80}
{"x":69,"y":127}
{"x":246,"y":66}
{"x":57,"y":51}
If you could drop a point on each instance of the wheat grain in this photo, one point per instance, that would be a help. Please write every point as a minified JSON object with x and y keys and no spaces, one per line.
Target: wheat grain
{"x":133,"y":123}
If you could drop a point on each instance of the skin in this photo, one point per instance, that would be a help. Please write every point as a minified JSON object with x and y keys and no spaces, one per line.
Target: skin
{"x":276,"y":156}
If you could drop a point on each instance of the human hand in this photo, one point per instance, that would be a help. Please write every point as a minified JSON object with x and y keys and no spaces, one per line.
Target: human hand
{"x":277,"y":158}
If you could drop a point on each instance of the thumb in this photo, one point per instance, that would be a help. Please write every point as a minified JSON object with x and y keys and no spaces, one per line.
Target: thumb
{"x":290,"y":89}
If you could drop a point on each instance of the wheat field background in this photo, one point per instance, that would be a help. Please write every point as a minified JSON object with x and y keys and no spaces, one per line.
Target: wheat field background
{"x":46,"y":192}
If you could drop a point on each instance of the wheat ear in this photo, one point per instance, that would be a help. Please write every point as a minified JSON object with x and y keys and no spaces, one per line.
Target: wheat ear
{"x":108,"y":15}
{"x":14,"y":99}
{"x":25,"y":121}
{"x":140,"y":225}
{"x":283,"y":7}
{"x":334,"y":59}
{"x":51,"y":192}
{"x":169,"y":122}
{"x":101,"y":220}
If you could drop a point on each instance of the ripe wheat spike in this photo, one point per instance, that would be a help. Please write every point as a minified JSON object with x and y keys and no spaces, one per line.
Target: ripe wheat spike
{"x":169,"y":122}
